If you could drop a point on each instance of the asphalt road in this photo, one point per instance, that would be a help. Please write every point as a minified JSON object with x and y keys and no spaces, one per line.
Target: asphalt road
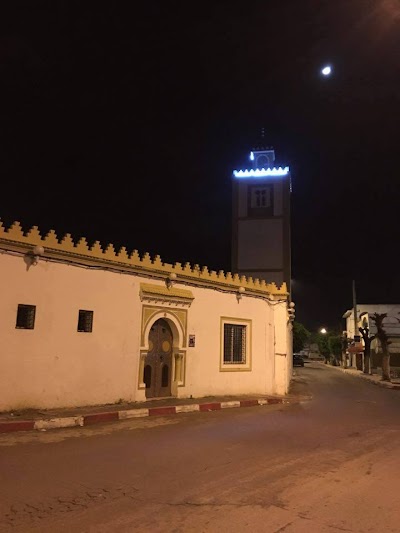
{"x":328,"y":464}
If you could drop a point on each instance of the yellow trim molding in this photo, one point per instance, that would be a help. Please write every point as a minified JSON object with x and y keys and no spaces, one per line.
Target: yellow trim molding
{"x":80,"y":252}
{"x":159,"y":294}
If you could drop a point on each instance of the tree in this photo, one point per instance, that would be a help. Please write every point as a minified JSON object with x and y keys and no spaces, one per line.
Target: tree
{"x":323,"y":346}
{"x":300,"y":336}
{"x":384,"y":342}
{"x":364,"y":330}
{"x":329,"y":345}
{"x":335,"y":347}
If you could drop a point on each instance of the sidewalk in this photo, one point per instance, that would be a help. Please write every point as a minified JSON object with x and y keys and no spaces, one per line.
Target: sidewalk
{"x":44,"y":419}
{"x":374,"y":378}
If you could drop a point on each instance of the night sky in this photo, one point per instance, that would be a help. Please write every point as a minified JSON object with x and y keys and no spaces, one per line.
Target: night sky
{"x":123,"y":121}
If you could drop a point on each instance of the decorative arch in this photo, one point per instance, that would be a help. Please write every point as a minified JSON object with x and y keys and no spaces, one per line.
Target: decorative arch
{"x":176,"y":318}
{"x":177,"y":321}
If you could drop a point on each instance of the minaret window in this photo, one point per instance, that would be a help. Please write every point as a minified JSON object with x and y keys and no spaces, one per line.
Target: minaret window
{"x":262,"y":161}
{"x":261,"y":200}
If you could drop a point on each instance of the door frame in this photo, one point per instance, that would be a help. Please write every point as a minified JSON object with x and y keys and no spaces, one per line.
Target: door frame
{"x":177,"y":321}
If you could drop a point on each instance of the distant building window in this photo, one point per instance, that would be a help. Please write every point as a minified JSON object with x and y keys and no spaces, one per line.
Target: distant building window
{"x":235,"y":345}
{"x":26,"y":316}
{"x":85,"y":321}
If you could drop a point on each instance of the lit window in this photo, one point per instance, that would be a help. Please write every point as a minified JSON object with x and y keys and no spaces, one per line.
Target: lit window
{"x":85,"y":321}
{"x":26,"y":316}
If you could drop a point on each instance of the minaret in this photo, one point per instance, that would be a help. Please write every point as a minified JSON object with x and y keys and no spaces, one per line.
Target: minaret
{"x":261,"y":218}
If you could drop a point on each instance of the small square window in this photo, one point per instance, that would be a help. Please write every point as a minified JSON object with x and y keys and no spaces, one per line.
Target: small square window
{"x":26,"y":316}
{"x":85,"y":321}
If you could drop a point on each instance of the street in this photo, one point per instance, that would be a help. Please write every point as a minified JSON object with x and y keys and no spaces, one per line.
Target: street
{"x":331,"y":463}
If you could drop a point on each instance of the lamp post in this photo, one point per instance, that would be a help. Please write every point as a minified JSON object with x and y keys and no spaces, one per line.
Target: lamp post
{"x":323,"y":331}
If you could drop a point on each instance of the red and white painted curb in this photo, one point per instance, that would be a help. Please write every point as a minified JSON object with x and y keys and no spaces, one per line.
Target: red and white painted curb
{"x":7,"y":426}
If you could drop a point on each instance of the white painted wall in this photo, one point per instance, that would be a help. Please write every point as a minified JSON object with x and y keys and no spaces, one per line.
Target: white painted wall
{"x":56,"y":366}
{"x":283,"y":348}
{"x":203,"y":361}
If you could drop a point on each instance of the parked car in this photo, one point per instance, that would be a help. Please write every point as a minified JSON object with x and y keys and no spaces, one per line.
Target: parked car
{"x":298,"y":360}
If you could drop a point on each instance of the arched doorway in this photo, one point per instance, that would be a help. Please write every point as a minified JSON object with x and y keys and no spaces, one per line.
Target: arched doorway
{"x":158,"y":364}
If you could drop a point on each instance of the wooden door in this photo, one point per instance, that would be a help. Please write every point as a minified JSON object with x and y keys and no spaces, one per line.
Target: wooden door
{"x":158,"y":364}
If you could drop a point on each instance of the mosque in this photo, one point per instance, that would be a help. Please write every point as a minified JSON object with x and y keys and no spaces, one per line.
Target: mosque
{"x":85,"y":324}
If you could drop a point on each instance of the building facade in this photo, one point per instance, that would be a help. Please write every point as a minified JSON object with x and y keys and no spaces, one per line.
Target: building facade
{"x":363,"y":319}
{"x":86,"y":325}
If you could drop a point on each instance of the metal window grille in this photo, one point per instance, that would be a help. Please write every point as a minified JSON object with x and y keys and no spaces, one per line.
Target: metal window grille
{"x":234,"y":344}
{"x":26,"y":316}
{"x":85,"y":321}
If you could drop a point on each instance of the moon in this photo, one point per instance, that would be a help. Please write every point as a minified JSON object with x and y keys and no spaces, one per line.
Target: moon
{"x":326,"y":71}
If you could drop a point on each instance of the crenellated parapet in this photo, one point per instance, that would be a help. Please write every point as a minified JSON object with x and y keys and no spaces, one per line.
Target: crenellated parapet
{"x":81,"y":252}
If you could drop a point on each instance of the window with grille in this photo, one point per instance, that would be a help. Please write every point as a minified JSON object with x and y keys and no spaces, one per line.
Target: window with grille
{"x":235,"y":339}
{"x":234,"y":344}
{"x":26,"y":316}
{"x":85,"y":321}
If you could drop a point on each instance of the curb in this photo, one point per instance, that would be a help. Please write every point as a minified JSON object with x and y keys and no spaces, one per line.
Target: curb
{"x":110,"y":416}
{"x":384,"y":384}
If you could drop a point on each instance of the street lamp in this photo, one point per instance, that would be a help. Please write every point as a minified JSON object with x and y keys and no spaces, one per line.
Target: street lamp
{"x":323,"y":344}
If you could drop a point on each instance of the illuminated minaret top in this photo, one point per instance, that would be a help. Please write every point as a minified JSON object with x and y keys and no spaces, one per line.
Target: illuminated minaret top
{"x":262,"y":156}
{"x":262,"y":159}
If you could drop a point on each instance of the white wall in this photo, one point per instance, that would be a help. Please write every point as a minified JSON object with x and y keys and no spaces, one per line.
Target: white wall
{"x":53,"y":365}
{"x":203,"y":362}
